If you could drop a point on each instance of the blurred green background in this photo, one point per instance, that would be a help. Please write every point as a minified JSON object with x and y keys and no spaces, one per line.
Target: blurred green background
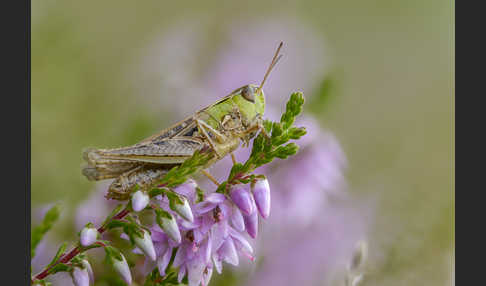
{"x":390,"y":104}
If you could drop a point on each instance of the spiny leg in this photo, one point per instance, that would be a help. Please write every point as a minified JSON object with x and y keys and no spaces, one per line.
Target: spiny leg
{"x":142,"y":176}
{"x":124,"y":178}
{"x":257,"y":124}
{"x":219,"y":137}
{"x":201,"y":127}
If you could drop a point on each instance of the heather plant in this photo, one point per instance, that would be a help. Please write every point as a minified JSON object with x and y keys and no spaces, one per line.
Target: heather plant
{"x":195,"y":230}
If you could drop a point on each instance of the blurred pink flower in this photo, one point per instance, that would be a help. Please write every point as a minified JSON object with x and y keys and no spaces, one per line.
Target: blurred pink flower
{"x":168,"y":70}
{"x":304,"y":183}
{"x":313,"y":253}
{"x":247,"y":53}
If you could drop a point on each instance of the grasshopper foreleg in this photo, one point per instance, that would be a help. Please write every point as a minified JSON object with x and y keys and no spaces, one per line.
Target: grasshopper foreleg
{"x":205,"y":128}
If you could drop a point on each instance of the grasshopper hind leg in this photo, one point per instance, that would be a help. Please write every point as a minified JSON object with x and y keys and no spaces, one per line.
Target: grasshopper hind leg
{"x":142,"y":176}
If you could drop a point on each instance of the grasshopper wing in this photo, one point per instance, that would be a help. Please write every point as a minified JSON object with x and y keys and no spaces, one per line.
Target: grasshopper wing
{"x":183,"y":128}
{"x":160,"y":149}
{"x":161,"y":152}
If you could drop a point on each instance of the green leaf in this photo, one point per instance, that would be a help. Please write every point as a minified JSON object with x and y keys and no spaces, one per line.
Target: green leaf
{"x":258,"y":144}
{"x":42,"y":283}
{"x":296,"y":132}
{"x":237,"y":168}
{"x":155,"y":192}
{"x":60,"y":267}
{"x":293,"y":108}
{"x":113,"y":253}
{"x":170,"y":279}
{"x":38,"y":232}
{"x":277,"y":129}
{"x":113,"y":213}
{"x":283,"y":152}
{"x":59,"y":252}
{"x":160,"y":213}
{"x":174,"y":198}
{"x":267,"y":124}
{"x":179,"y":174}
{"x":116,"y":223}
{"x":222,"y":187}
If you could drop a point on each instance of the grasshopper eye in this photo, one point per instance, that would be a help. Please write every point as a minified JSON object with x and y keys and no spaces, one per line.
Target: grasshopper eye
{"x":248,"y":93}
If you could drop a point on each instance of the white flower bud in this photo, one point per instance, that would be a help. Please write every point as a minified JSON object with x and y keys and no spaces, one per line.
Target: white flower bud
{"x":88,"y":235}
{"x":80,"y":276}
{"x":168,"y":224}
{"x":87,"y":266}
{"x":145,"y":244}
{"x":121,"y":267}
{"x":184,"y":210}
{"x":140,"y":200}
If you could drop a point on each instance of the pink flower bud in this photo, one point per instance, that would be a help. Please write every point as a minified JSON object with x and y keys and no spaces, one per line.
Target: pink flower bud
{"x":242,"y":198}
{"x":261,"y":193}
{"x":251,"y":224}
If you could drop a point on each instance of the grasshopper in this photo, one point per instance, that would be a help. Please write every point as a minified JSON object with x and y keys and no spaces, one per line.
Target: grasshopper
{"x":217,"y":128}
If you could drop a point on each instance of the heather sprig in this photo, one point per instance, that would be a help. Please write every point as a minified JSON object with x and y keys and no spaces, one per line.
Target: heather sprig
{"x":180,"y":174}
{"x":194,"y":231}
{"x":269,"y":145}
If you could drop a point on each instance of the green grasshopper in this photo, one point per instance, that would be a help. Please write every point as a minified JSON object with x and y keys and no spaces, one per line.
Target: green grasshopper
{"x":218,"y":128}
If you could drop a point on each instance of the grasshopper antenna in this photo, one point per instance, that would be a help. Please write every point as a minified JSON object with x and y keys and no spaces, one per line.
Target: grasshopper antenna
{"x":274,"y":61}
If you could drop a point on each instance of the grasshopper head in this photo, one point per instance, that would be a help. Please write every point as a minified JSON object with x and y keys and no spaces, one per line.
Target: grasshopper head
{"x":251,"y":104}
{"x":254,"y":93}
{"x":252,"y":100}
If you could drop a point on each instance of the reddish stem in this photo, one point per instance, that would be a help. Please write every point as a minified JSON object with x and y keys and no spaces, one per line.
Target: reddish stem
{"x":76,"y":250}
